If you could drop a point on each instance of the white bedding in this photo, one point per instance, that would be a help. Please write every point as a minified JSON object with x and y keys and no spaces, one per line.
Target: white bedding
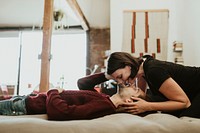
{"x":116,"y":123}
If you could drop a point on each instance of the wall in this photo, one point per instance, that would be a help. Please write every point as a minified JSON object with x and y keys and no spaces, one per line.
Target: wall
{"x":99,"y":42}
{"x":191,"y":32}
{"x":179,"y":28}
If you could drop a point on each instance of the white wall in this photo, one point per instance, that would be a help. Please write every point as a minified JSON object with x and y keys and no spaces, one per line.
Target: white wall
{"x":179,"y":26}
{"x":191,"y":32}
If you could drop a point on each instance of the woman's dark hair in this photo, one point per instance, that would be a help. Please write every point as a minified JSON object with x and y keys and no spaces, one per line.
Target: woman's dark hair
{"x":119,"y":60}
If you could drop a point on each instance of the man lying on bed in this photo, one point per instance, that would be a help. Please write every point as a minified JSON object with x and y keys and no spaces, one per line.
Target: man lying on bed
{"x":62,"y":104}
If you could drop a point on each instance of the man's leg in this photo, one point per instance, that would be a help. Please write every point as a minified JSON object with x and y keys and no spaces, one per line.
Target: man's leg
{"x":13,"y":106}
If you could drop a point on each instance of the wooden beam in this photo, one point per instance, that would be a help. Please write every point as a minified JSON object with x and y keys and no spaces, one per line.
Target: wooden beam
{"x":158,"y":45}
{"x":156,"y":10}
{"x":77,"y":10}
{"x":146,"y":32}
{"x":146,"y":25}
{"x":46,"y":46}
{"x":133,"y":33}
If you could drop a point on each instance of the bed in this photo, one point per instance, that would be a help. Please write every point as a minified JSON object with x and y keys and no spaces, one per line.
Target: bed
{"x":115,"y":123}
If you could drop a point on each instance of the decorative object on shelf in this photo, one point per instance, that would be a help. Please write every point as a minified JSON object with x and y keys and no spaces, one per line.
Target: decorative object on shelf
{"x":178,"y":49}
{"x":178,"y":46}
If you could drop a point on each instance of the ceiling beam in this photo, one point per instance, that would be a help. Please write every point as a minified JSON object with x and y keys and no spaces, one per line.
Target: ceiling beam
{"x":77,"y":10}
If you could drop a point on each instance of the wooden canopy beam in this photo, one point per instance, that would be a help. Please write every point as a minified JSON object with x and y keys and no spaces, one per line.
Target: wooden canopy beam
{"x":46,"y":46}
{"x":77,"y":10}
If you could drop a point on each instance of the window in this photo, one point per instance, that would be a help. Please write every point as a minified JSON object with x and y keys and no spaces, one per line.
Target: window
{"x":68,"y":61}
{"x":30,"y":64}
{"x":9,"y":58}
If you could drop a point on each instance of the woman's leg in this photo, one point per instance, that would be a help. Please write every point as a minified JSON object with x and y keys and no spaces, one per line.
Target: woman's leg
{"x":13,"y":106}
{"x":194,"y":109}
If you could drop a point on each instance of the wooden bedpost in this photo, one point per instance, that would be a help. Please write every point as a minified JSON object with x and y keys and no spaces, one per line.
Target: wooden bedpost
{"x":46,"y":46}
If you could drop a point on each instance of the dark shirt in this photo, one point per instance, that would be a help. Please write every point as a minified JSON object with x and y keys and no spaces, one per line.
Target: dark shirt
{"x":156,"y":72}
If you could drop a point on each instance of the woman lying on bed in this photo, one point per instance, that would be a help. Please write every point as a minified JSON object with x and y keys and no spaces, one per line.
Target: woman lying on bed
{"x":62,"y":104}
{"x":173,"y":88}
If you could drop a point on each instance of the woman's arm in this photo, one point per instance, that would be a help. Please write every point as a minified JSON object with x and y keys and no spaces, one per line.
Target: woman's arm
{"x":170,"y":89}
{"x":177,"y":97}
{"x":90,"y":81}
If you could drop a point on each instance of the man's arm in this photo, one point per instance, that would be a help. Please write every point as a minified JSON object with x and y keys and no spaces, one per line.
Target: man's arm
{"x":59,"y":109}
{"x":90,"y":81}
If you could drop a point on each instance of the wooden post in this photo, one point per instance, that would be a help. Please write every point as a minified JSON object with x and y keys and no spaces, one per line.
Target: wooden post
{"x":46,"y":46}
{"x":158,"y":45}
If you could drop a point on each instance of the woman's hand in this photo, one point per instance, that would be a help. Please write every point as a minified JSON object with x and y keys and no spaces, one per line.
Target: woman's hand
{"x":138,"y":106}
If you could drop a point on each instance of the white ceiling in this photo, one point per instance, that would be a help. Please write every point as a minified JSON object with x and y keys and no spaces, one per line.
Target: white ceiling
{"x":29,"y":13}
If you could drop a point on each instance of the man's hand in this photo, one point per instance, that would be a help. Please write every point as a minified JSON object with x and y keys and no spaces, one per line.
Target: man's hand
{"x":60,"y":90}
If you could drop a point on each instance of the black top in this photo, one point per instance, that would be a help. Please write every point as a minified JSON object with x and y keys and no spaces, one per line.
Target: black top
{"x":156,"y":72}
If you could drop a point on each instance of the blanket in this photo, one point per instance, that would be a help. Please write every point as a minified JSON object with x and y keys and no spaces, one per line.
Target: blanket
{"x":115,"y":123}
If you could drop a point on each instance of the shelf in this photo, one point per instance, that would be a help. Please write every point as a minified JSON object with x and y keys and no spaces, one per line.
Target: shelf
{"x":178,"y":49}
